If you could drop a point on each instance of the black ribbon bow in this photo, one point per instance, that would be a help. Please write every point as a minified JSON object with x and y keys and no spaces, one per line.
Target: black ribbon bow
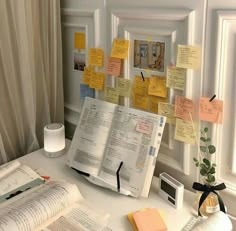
{"x":206,"y":189}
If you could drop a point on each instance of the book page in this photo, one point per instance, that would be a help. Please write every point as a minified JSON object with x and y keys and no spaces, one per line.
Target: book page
{"x":8,"y":167}
{"x":39,"y":206}
{"x":134,"y":139}
{"x":91,"y":135}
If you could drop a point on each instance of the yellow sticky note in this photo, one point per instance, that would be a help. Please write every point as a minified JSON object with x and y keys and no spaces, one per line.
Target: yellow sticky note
{"x":140,"y":87}
{"x":211,"y":111}
{"x":96,"y":57}
{"x":153,"y":103}
{"x":140,"y":101}
{"x":79,"y":40}
{"x":120,"y":48}
{"x":157,"y":86}
{"x":97,"y":80}
{"x":111,"y":95}
{"x":188,"y":56}
{"x":175,"y":78}
{"x":184,"y":108}
{"x":123,"y":87}
{"x":88,"y":72}
{"x":184,"y":131}
{"x":167,"y":110}
{"x":113,"y":66}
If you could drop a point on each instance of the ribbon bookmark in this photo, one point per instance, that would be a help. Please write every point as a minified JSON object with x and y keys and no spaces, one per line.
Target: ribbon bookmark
{"x":118,"y":176}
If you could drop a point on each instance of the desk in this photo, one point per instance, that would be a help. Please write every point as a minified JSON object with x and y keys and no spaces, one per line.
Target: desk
{"x":117,"y":205}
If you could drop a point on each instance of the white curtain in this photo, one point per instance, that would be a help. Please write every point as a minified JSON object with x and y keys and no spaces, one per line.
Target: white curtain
{"x":31,"y":85}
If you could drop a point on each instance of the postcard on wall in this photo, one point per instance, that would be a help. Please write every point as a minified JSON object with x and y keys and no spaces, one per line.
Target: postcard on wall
{"x":111,"y":95}
{"x":79,"y":61}
{"x":96,"y":57}
{"x":140,"y":86}
{"x":211,"y":111}
{"x":188,"y":56}
{"x":157,"y":86}
{"x":86,"y":91}
{"x":184,"y":131}
{"x":79,"y":40}
{"x":175,"y":78}
{"x":123,"y":87}
{"x":167,"y":110}
{"x":97,"y":80}
{"x":153,"y":103}
{"x":184,"y":108}
{"x":120,"y":48}
{"x":113,"y":66}
{"x":149,"y":55}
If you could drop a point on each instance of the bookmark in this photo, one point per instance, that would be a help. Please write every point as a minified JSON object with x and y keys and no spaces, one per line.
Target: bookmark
{"x":118,"y":176}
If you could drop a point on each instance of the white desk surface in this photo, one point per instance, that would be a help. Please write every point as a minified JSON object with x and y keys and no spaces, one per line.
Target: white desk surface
{"x":117,"y":205}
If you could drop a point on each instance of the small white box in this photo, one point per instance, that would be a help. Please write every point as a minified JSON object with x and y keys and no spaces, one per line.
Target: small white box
{"x":171,"y":190}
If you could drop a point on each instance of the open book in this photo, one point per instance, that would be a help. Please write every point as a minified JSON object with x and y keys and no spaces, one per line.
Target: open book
{"x":16,"y":178}
{"x":49,"y":207}
{"x":109,"y":137}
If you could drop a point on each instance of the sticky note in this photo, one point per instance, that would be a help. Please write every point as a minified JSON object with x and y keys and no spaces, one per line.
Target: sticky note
{"x":211,"y":111}
{"x":153,"y":103}
{"x":113,"y":66}
{"x":175,"y":77}
{"x":140,"y":101}
{"x":123,"y":87}
{"x":88,"y":72}
{"x":184,"y":131}
{"x":144,"y":126}
{"x":111,"y":95}
{"x":157,"y":86}
{"x":183,"y":108}
{"x":79,"y":40}
{"x":188,"y":56}
{"x":140,"y":87}
{"x":97,"y":80}
{"x":167,"y":110}
{"x":86,"y":91}
{"x":96,"y":57}
{"x":120,"y":48}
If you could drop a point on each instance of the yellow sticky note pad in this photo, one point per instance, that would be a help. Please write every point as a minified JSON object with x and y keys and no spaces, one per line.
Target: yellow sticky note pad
{"x":184,"y":131}
{"x":140,"y":87}
{"x":97,"y":80}
{"x":111,"y":95}
{"x":79,"y":40}
{"x":96,"y":57}
{"x":211,"y":111}
{"x":123,"y":87}
{"x":120,"y":48}
{"x":167,"y":110}
{"x":113,"y":66}
{"x":175,"y":78}
{"x":153,"y":103}
{"x":157,"y":86}
{"x":188,"y":56}
{"x":88,"y":72}
{"x":140,"y":101}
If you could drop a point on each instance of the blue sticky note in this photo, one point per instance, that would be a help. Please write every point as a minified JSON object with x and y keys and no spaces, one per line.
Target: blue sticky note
{"x":86,"y":91}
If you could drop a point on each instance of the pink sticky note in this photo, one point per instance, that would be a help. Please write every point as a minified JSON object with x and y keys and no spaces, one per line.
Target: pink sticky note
{"x":113,"y":66}
{"x":211,"y":111}
{"x":144,"y":127}
{"x":183,"y":108}
{"x":149,"y":220}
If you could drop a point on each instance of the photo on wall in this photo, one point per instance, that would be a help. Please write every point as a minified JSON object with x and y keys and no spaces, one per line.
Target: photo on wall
{"x":149,"y":55}
{"x":79,"y":61}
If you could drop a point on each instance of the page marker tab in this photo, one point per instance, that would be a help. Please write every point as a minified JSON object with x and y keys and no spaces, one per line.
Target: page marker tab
{"x":213,"y":97}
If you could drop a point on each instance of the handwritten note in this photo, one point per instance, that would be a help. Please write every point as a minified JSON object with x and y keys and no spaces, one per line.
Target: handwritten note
{"x":79,"y":40}
{"x":144,"y":127}
{"x":88,"y":72}
{"x":184,"y":131}
{"x":140,"y":87}
{"x":157,"y":86}
{"x":211,"y":111}
{"x":96,"y":57}
{"x":123,"y":87}
{"x":167,"y":110}
{"x":140,"y":101}
{"x":113,"y":66}
{"x":111,"y":95}
{"x":188,"y":56}
{"x":97,"y":80}
{"x":176,"y":78}
{"x":183,"y":108}
{"x":120,"y":48}
{"x":153,"y":103}
{"x":86,"y":91}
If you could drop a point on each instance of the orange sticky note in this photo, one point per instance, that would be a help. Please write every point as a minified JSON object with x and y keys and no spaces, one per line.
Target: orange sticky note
{"x":211,"y":111}
{"x":96,"y":57}
{"x":144,"y":127}
{"x":140,"y":87}
{"x":79,"y":40}
{"x":140,"y":101}
{"x":97,"y":80}
{"x":113,"y":66}
{"x":120,"y":48}
{"x":183,"y":108}
{"x":149,"y":220}
{"x":88,"y":72}
{"x":153,"y":103}
{"x":157,"y":86}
